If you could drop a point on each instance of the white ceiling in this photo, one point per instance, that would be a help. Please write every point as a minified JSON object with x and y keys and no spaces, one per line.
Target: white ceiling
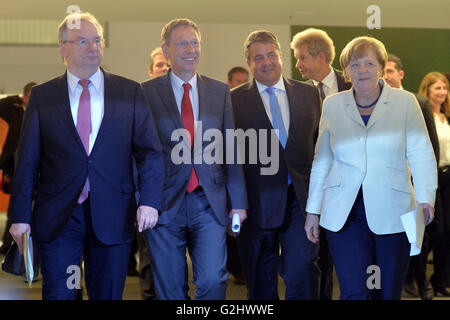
{"x":394,"y":13}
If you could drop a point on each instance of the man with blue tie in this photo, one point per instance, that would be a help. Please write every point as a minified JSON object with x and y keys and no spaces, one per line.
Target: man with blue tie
{"x":73,"y":188}
{"x":199,"y":197}
{"x":277,"y":202}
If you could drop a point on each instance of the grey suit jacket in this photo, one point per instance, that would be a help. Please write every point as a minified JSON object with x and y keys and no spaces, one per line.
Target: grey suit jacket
{"x":224,"y":184}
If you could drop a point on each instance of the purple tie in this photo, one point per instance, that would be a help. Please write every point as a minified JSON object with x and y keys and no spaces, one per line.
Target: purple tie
{"x":84,"y":127}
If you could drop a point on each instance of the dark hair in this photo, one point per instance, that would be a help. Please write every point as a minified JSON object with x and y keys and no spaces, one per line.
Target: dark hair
{"x":236,"y":70}
{"x":395,"y":59}
{"x":27,"y":88}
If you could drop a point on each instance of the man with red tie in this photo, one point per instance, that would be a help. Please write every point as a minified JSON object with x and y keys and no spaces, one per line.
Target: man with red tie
{"x":198,"y":197}
{"x":74,"y":163}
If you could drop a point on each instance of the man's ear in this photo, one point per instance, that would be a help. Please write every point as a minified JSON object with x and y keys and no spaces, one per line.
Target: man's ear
{"x":402,"y":74}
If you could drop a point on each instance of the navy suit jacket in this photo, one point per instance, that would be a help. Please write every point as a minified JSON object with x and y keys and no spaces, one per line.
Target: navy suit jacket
{"x":267,"y":194}
{"x":223,"y":183}
{"x":52,"y":164}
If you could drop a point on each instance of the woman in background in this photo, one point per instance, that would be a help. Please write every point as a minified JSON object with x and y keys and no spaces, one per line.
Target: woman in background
{"x":435,"y":87}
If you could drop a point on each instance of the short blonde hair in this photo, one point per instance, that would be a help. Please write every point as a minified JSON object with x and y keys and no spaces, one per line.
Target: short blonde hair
{"x":263,"y":36}
{"x":166,"y":32}
{"x":358,"y":47}
{"x":430,"y":79}
{"x":82,"y":16}
{"x":317,"y":41}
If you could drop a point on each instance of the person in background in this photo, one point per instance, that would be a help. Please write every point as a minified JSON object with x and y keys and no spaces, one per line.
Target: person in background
{"x":360,"y":185}
{"x":393,"y":75}
{"x":314,"y":51}
{"x":435,"y":86}
{"x":237,"y":76}
{"x":158,"y":66}
{"x":11,"y":111}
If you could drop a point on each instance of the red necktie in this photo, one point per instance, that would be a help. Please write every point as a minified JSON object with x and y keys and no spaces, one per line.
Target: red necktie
{"x":187,"y":116}
{"x":84,"y":127}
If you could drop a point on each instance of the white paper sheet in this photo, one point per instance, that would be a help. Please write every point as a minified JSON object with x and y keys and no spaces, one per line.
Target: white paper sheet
{"x":414,"y":225}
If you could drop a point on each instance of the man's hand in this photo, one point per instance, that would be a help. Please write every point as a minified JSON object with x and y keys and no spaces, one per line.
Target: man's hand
{"x":242,"y":216}
{"x":312,"y":227}
{"x":147,"y":218}
{"x":17,"y":231}
{"x":428,"y":213}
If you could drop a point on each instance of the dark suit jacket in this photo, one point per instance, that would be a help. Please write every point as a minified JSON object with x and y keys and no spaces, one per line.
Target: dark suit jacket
{"x":52,"y":164}
{"x":11,"y":111}
{"x":429,"y":121}
{"x":267,"y":194}
{"x":224,"y":185}
{"x":342,"y":84}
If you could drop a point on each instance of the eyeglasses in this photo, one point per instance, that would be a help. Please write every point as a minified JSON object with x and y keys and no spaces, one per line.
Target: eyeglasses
{"x":184,"y":43}
{"x":82,"y":43}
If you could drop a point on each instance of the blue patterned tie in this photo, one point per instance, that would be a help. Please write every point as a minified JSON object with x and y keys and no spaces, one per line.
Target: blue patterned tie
{"x":277,"y":120}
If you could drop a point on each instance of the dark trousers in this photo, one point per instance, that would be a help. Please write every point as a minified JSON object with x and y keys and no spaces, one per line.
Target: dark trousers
{"x":297,"y":264}
{"x":145,"y":269}
{"x":355,"y":247}
{"x":233,"y":258}
{"x":196,"y":228}
{"x":105,"y":265}
{"x":441,"y":240}
{"x":326,"y":268}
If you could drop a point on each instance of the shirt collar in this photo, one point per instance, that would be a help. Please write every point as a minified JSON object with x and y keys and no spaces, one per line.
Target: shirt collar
{"x":177,"y":82}
{"x":279,"y":85}
{"x":95,"y":79}
{"x":327,"y":81}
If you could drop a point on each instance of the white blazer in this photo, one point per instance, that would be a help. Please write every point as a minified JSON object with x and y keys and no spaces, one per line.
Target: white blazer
{"x":349,"y":154}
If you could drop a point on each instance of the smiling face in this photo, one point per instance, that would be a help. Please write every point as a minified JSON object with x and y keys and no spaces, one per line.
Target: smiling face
{"x":183,"y":51}
{"x":437,"y":93}
{"x":364,"y":73}
{"x":265,"y":63}
{"x":82,"y":60}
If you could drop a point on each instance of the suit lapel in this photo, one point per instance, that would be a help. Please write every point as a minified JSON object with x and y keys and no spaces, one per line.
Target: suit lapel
{"x":351,"y":109}
{"x":166,"y":93}
{"x":294,"y":110}
{"x":255,"y":102}
{"x":109,"y":97}
{"x":63,"y":106}
{"x":381,"y":106}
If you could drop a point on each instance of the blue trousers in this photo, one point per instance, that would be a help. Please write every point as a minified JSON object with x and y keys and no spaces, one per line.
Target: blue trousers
{"x":355,"y":247}
{"x":195,"y":228}
{"x":105,"y":265}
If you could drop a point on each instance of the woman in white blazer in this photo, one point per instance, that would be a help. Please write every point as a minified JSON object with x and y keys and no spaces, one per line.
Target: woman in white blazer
{"x":371,"y":139}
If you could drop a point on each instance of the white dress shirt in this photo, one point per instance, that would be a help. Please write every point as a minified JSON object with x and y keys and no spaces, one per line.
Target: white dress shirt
{"x":330,"y":85}
{"x":443,"y":133}
{"x":178,"y":91}
{"x":281,"y":95}
{"x":96,"y":91}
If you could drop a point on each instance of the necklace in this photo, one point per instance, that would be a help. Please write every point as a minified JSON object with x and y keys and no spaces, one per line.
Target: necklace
{"x":373,"y":103}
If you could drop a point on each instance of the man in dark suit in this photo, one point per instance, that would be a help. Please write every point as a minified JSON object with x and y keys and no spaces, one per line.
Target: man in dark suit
{"x":314,"y":51}
{"x":394,"y":75}
{"x":74,"y":162}
{"x":197,"y":192}
{"x":276,"y":215}
{"x":12,"y":109}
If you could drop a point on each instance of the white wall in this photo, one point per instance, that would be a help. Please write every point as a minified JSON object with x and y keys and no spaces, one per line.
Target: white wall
{"x":130,"y":44}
